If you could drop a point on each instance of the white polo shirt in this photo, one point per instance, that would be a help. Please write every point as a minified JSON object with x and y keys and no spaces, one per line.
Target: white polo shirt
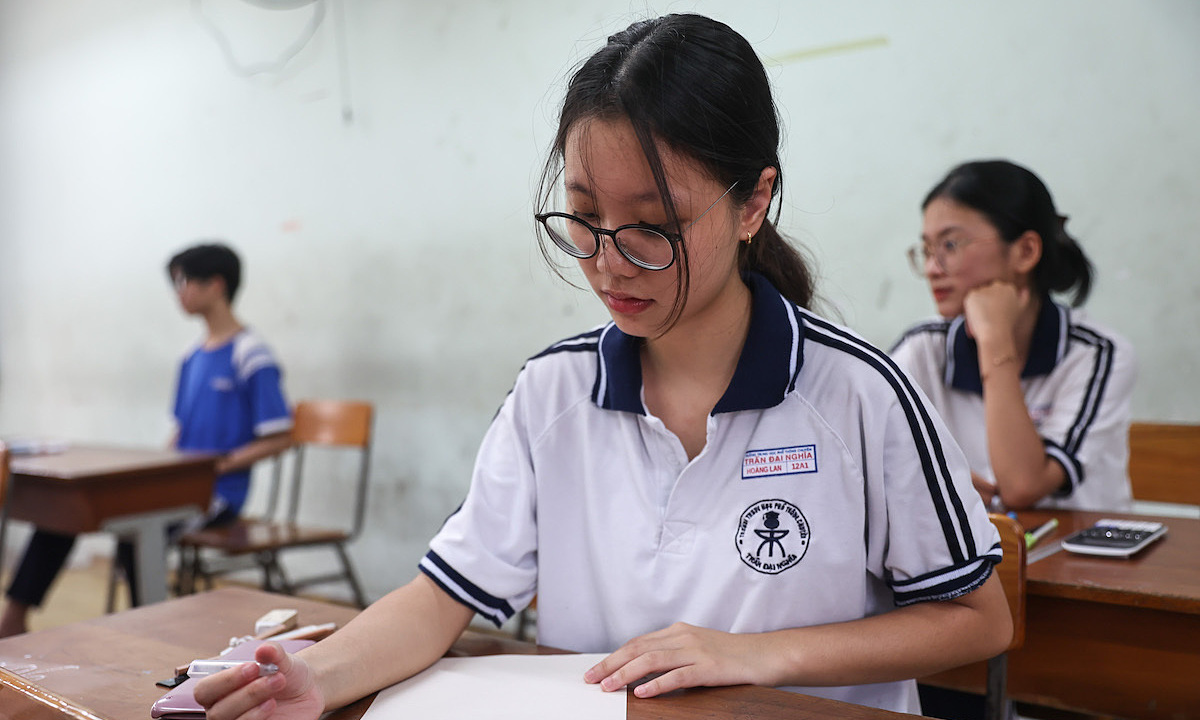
{"x":1077,"y":382}
{"x":827,"y":491}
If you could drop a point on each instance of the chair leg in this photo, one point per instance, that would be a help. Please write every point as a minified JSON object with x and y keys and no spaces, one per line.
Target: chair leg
{"x":351,"y":578}
{"x":114,"y":573}
{"x":182,"y":571}
{"x":274,"y":578}
{"x":997,"y":704}
{"x":198,"y":572}
{"x":524,"y":623}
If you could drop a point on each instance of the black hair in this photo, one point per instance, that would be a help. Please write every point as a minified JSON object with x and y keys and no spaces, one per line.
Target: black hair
{"x":696,"y":86}
{"x":206,"y":261}
{"x":1015,"y":200}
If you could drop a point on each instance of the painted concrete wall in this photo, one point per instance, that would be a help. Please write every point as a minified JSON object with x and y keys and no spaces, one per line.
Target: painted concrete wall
{"x":379,"y":188}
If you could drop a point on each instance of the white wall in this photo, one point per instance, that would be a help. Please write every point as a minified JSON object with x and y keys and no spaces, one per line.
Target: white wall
{"x":382,"y":207}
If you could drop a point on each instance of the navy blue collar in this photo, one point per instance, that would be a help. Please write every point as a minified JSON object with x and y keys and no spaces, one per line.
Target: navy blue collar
{"x":766,"y":369}
{"x":1047,"y":347}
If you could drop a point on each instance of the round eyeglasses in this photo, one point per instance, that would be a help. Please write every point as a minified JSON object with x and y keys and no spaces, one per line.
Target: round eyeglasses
{"x":647,"y":246}
{"x":947,"y":253}
{"x":643,"y":245}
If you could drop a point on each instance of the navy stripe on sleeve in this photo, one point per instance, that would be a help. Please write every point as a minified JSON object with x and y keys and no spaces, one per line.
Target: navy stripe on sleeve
{"x":946,"y":501}
{"x":463,"y":590}
{"x":583,"y":342}
{"x":933,"y":326}
{"x":947,"y":586}
{"x":1071,"y":467}
{"x":1101,"y":370}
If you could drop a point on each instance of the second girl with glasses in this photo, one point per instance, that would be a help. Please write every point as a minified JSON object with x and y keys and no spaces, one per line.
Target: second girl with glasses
{"x":717,"y":487}
{"x":1036,"y":394}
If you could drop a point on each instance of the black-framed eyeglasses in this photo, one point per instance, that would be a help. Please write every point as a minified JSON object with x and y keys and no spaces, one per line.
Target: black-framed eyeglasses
{"x":647,"y":246}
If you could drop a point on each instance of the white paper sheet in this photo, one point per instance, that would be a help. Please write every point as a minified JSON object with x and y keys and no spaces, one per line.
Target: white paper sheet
{"x":501,"y":687}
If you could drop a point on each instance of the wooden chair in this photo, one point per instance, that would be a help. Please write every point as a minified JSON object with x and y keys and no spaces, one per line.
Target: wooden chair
{"x":317,"y":423}
{"x":1164,"y":462}
{"x":1011,"y":572}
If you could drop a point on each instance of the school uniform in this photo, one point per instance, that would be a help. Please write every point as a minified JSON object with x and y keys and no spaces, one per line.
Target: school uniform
{"x":1077,"y":383}
{"x":827,"y":491}
{"x":226,"y":397}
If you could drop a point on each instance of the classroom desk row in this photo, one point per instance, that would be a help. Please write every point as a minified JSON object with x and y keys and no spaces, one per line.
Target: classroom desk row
{"x":1108,"y":636}
{"x":105,"y":669}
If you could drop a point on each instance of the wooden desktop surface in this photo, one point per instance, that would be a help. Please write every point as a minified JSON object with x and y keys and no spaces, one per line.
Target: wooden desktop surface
{"x":105,"y":669}
{"x":76,"y":490}
{"x":1107,"y":635}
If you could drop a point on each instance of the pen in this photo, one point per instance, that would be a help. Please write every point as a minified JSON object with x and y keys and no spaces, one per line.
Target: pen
{"x":209,"y":667}
{"x":1032,"y":538}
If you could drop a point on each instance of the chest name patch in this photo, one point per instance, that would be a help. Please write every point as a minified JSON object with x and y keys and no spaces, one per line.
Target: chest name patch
{"x":794,"y":460}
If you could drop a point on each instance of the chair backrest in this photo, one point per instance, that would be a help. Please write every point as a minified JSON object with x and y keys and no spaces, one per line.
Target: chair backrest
{"x":1164,"y":462}
{"x":1011,"y":571}
{"x":332,"y":423}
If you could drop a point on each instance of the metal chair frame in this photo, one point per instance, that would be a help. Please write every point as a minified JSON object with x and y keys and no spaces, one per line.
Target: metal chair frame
{"x":318,"y":423}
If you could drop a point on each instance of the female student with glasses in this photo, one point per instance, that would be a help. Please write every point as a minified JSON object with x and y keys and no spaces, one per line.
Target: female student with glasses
{"x":1036,"y":394}
{"x":717,"y":487}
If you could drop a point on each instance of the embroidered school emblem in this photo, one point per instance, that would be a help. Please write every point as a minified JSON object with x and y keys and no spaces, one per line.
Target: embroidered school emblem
{"x":773,"y":462}
{"x":772,"y":536}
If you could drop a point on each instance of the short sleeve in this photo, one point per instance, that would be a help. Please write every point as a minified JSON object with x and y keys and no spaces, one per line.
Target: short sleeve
{"x":259,"y":374}
{"x":939,"y":543}
{"x":485,"y":555}
{"x":1087,"y":424}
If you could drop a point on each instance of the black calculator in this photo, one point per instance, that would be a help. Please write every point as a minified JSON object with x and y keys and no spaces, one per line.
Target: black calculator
{"x":1115,"y":538}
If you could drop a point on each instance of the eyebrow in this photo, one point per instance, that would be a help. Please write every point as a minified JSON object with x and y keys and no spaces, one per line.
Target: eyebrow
{"x":942,"y":232}
{"x":646,"y":197}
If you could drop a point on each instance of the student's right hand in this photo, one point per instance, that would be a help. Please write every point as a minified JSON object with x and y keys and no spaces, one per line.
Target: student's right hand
{"x":239,"y":693}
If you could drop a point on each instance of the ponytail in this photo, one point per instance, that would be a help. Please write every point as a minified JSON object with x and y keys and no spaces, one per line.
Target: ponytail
{"x":1064,"y":266}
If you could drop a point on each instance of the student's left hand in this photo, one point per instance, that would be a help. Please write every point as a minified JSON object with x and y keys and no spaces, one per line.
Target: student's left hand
{"x":681,"y":656}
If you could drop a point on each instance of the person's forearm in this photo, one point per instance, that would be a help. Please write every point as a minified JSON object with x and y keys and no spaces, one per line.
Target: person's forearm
{"x":907,"y":642}
{"x":253,"y":451}
{"x":1017,"y":454}
{"x":396,"y":637}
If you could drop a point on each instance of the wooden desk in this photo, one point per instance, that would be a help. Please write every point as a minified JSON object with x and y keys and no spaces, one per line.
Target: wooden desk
{"x":135,"y":493}
{"x":105,"y":669}
{"x":1105,"y":635}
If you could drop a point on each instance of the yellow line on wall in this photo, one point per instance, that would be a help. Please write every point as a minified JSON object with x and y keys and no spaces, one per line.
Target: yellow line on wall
{"x":833,"y":49}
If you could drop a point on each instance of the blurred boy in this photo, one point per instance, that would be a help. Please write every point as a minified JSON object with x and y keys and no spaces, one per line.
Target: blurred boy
{"x":228,"y":401}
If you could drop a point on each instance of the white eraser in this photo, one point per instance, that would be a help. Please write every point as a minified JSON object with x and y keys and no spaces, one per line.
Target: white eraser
{"x":279,"y":619}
